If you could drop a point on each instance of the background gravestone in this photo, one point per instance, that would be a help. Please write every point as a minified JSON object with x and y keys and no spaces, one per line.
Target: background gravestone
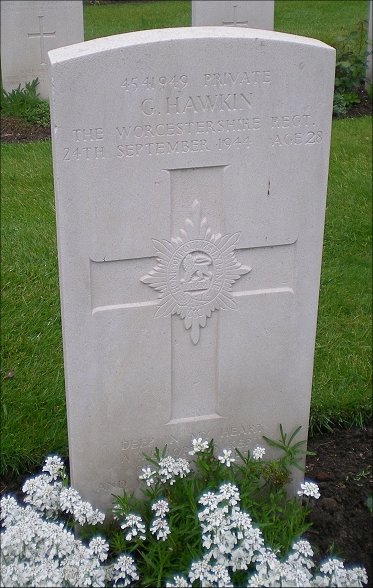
{"x":190,"y":198}
{"x":29,"y":29}
{"x":256,"y":14}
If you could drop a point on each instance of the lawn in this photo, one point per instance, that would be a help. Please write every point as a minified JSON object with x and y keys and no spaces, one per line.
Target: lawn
{"x":321,"y":19}
{"x":33,"y":409}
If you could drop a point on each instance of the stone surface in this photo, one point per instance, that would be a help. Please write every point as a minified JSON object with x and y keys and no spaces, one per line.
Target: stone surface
{"x":256,"y":14}
{"x":29,"y":29}
{"x":190,"y":198}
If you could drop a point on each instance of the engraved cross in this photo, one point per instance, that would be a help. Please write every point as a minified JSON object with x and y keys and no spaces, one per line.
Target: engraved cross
{"x":116,"y":286}
{"x":235,"y":22}
{"x":41,"y":34}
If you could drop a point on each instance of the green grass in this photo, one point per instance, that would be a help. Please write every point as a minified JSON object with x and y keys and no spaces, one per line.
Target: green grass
{"x":321,"y":19}
{"x":114,"y":19}
{"x":342,"y":374}
{"x":33,"y":408}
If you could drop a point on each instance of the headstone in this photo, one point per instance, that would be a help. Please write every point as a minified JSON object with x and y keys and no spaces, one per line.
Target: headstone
{"x":190,"y":199}
{"x":256,"y":14}
{"x":369,"y":74}
{"x":29,"y":29}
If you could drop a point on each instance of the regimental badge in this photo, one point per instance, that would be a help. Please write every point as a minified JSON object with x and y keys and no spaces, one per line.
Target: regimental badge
{"x":195,"y":273}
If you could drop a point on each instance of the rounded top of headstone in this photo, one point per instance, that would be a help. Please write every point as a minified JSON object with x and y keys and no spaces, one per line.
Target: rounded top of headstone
{"x":181,"y":33}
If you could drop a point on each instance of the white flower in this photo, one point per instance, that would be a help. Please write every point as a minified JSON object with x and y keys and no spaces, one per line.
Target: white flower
{"x":221,"y":575}
{"x":303,"y":547}
{"x":255,"y":581}
{"x":331,"y":566}
{"x":167,"y":469}
{"x":178,"y":582}
{"x":135,"y":526}
{"x":36,"y":552}
{"x":82,"y":511}
{"x":210,"y":501}
{"x":182,"y":467}
{"x":148,"y":476}
{"x":230,"y":492}
{"x":357,"y":577}
{"x":124,"y":570}
{"x":226,"y":457}
{"x":54,"y":466}
{"x":99,"y":547}
{"x":43,"y":495}
{"x":242,"y":521}
{"x":9,"y":507}
{"x":258,"y":453}
{"x":68,"y":499}
{"x":160,"y":508}
{"x":160,"y":528}
{"x":266,"y":558}
{"x":201,"y":570}
{"x":309,"y":489}
{"x":199,"y":446}
{"x":170,"y":468}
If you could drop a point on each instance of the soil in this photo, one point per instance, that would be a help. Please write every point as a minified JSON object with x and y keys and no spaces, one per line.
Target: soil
{"x":341,"y":520}
{"x":342,"y":467}
{"x":16,"y":130}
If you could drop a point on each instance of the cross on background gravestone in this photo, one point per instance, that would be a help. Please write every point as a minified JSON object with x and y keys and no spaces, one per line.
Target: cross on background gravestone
{"x":235,"y":22}
{"x":23,"y":58}
{"x":40,"y":35}
{"x":223,"y":349}
{"x":258,"y":14}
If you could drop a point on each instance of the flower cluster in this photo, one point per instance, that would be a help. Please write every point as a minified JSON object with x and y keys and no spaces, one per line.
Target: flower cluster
{"x":258,"y":453}
{"x":171,"y":468}
{"x":159,"y":526}
{"x":226,"y":458}
{"x":54,"y":467}
{"x":48,"y":495}
{"x":39,"y":552}
{"x":82,"y":511}
{"x":199,"y":446}
{"x":124,"y":571}
{"x":161,"y":508}
{"x":228,"y":534}
{"x":233,"y":543}
{"x":167,"y":471}
{"x":135,"y":527}
{"x":296,"y":570}
{"x":309,"y":489}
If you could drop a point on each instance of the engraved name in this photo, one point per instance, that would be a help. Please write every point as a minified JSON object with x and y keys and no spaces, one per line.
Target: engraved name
{"x":231,"y":102}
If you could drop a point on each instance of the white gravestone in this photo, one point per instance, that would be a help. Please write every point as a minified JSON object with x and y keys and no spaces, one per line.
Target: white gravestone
{"x":256,"y":14}
{"x":190,"y":199}
{"x":29,"y":29}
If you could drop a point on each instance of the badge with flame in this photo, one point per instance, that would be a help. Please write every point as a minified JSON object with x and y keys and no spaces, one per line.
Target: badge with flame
{"x":195,"y":273}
